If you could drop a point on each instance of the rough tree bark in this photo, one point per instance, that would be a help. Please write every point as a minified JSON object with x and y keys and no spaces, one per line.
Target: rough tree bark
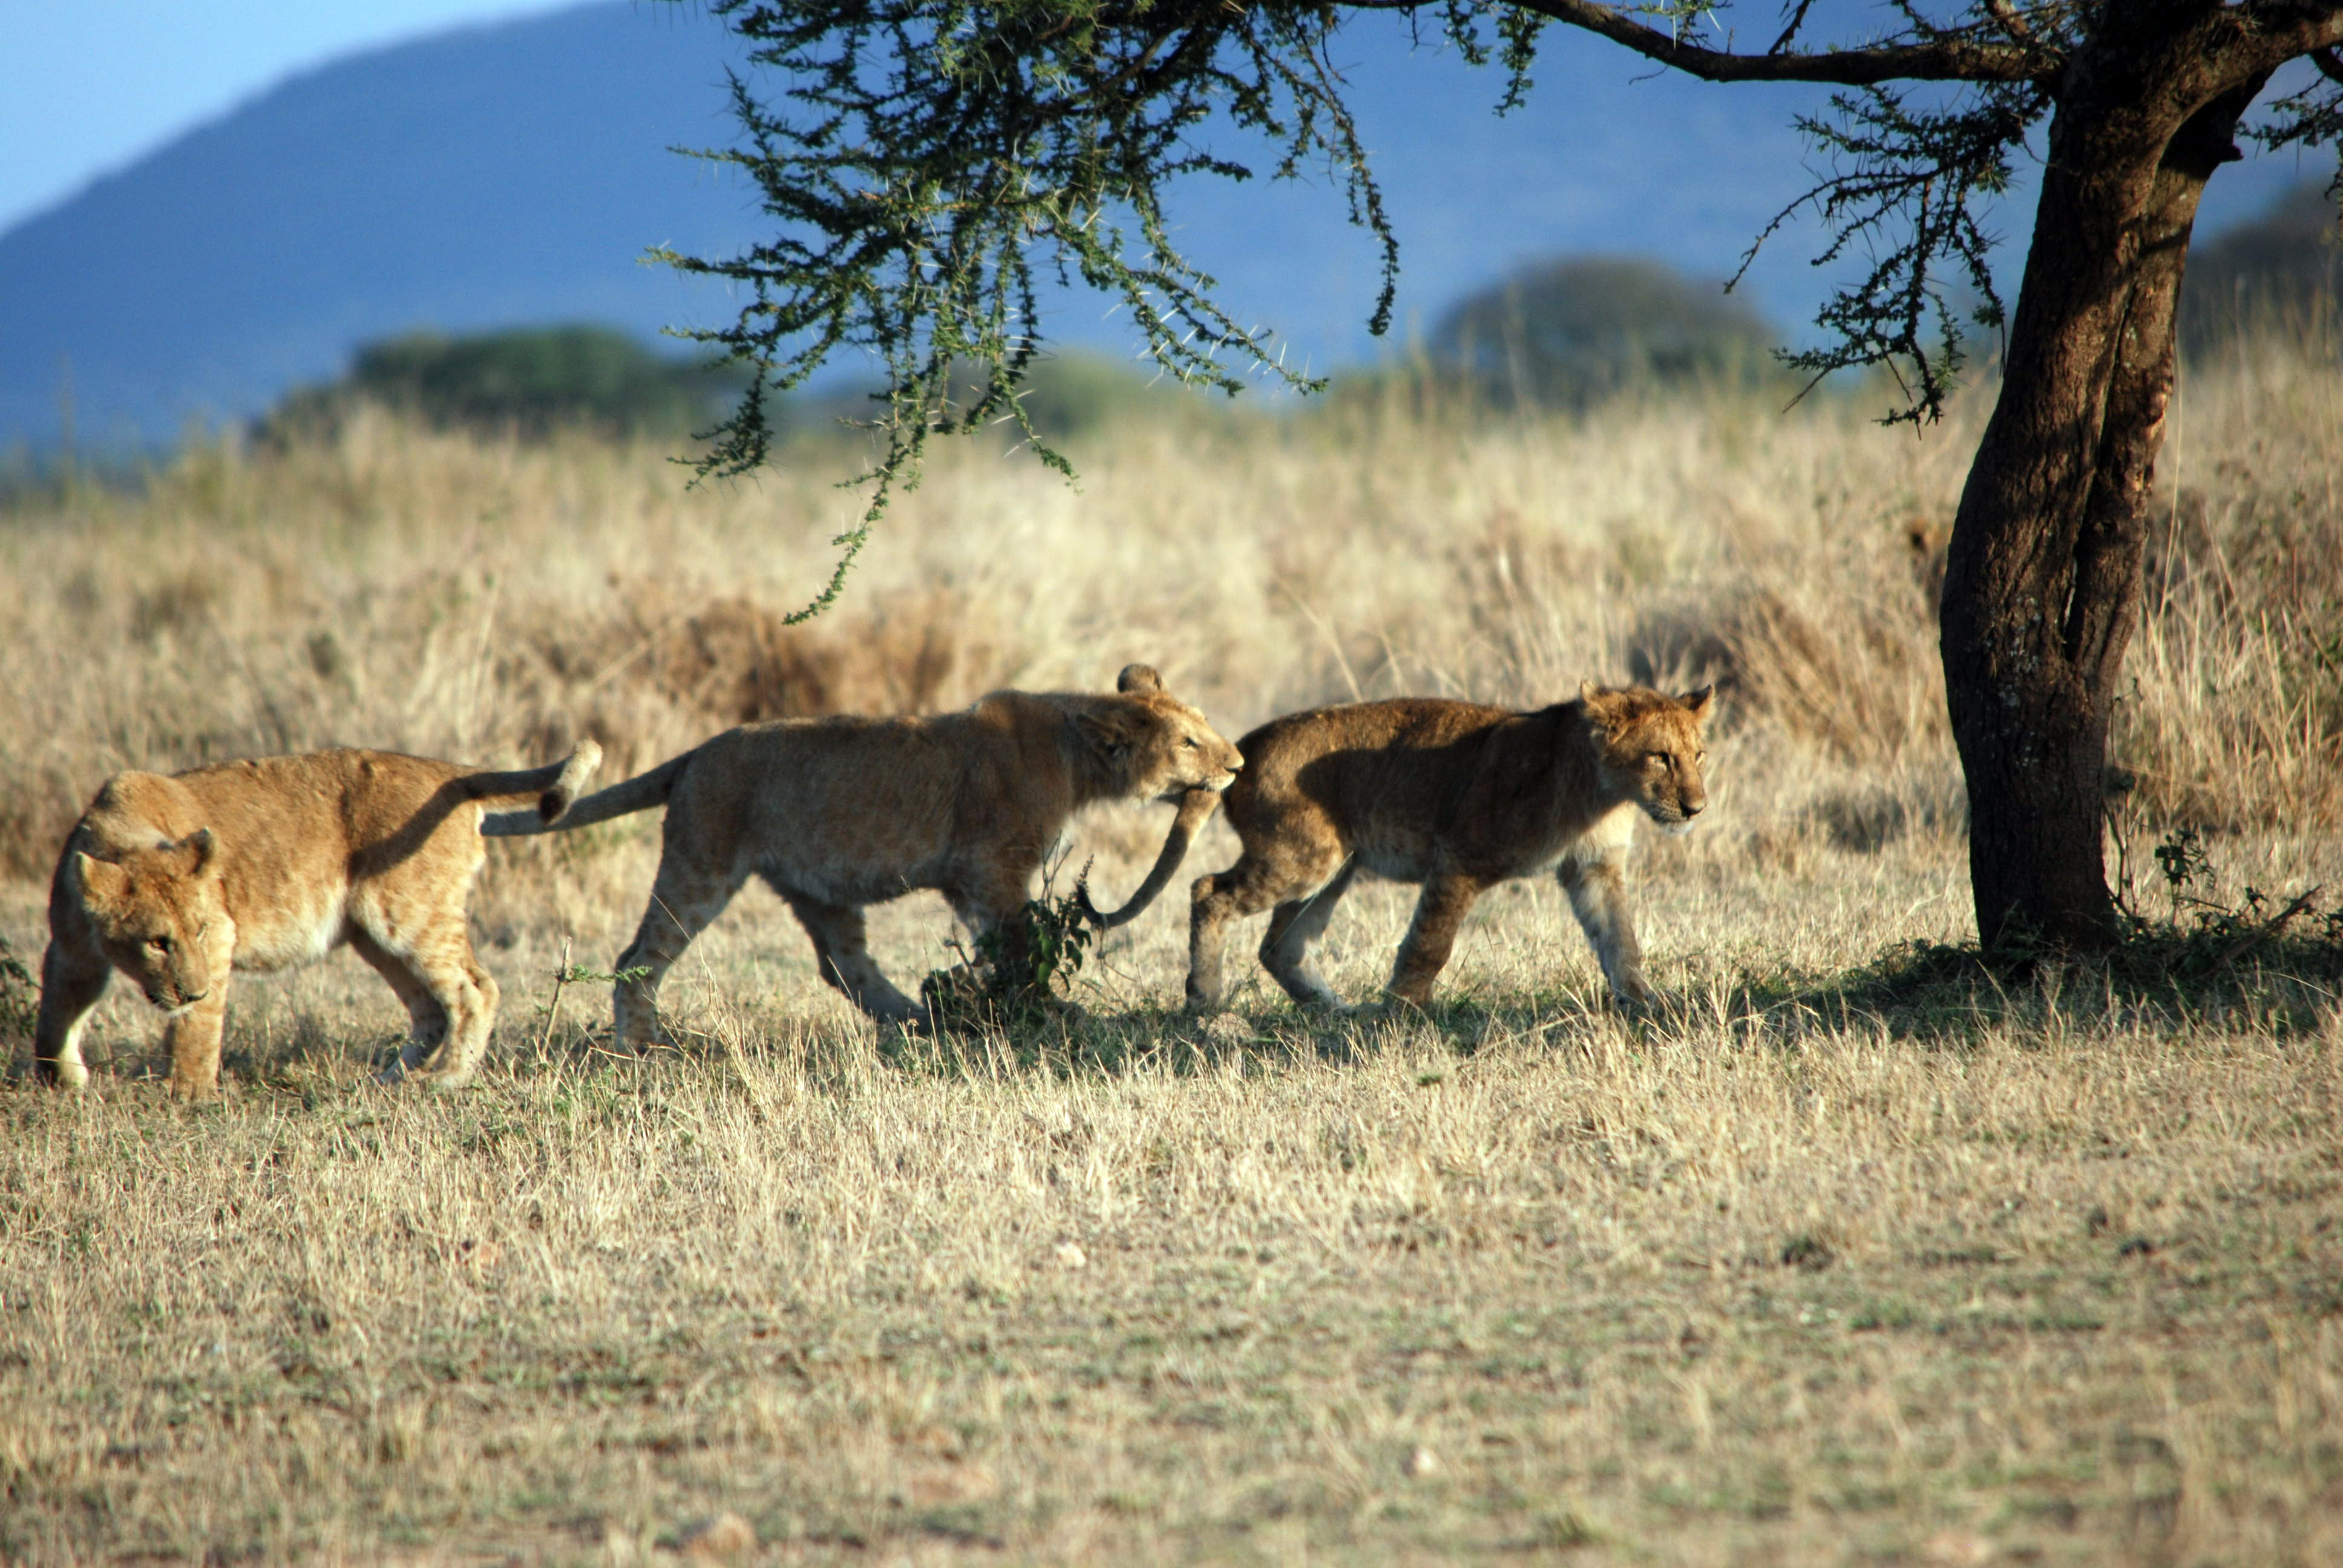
{"x":2042,"y":586}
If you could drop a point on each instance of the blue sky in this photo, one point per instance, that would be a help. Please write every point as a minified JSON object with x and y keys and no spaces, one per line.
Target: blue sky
{"x":89,"y":85}
{"x":166,"y":310}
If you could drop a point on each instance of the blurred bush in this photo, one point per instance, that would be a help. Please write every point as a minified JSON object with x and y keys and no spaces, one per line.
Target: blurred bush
{"x":1068,"y":396}
{"x":528,"y":382}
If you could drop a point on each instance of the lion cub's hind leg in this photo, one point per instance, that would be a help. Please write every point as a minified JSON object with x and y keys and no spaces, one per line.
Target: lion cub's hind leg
{"x":1212,"y":902}
{"x":843,"y":952}
{"x":1265,"y":876}
{"x":686,"y":898}
{"x":462,"y":999}
{"x":1293,"y":927}
{"x":427,"y":1019}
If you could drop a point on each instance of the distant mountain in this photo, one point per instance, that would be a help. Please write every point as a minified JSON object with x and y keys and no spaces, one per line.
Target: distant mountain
{"x":513,"y":175}
{"x":479,"y":178}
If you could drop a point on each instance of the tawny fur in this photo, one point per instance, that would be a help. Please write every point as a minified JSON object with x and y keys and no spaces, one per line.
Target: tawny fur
{"x":1196,"y":808}
{"x":272,"y":862}
{"x":1458,"y":797}
{"x":835,"y":814}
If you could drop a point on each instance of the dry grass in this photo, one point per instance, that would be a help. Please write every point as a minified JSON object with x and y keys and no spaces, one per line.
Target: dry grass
{"x":1841,"y":1264}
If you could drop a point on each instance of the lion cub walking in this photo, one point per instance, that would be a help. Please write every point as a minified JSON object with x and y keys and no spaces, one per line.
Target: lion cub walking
{"x":837,"y":813}
{"x":271,"y":862}
{"x":1456,"y":797}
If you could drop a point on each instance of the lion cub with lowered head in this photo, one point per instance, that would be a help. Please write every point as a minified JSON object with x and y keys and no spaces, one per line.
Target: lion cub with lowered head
{"x":1456,"y":797}
{"x":271,"y":862}
{"x":837,"y":813}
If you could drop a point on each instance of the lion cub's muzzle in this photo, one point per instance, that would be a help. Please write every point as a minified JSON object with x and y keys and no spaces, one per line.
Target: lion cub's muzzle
{"x":1218,"y":785}
{"x":1675,"y":816}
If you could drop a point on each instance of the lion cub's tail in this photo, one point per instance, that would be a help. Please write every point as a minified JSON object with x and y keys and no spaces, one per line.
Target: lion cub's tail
{"x":555,"y":786}
{"x":1195,"y":807}
{"x":640,"y":793}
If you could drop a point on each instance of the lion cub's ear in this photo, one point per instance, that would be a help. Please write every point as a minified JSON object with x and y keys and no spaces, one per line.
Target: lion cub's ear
{"x":1601,"y":705}
{"x":1702,"y":703}
{"x":1137,"y":677}
{"x":193,"y":853}
{"x":102,"y":883}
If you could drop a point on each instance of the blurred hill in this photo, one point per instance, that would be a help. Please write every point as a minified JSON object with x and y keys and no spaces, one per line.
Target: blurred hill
{"x":2281,"y":270}
{"x":513,"y":176}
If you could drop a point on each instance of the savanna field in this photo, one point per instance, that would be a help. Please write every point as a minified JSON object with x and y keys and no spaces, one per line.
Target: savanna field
{"x":1858,"y":1254}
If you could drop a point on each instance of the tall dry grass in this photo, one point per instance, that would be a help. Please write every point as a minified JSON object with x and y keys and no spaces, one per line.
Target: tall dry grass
{"x":400,"y":588}
{"x":1803,"y":1276}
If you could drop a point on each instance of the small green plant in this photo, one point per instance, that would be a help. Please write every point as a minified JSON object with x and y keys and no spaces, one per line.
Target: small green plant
{"x":566,"y":974}
{"x":1023,"y":968}
{"x":2181,"y":858}
{"x":2201,"y":933}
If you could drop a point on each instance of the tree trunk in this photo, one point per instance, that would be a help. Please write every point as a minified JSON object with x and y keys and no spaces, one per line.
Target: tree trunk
{"x":2042,"y":583}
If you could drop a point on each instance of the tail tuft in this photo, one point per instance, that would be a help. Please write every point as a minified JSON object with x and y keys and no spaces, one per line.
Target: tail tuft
{"x":556,"y":801}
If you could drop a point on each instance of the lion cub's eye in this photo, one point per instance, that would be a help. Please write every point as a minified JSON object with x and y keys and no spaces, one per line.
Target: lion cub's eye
{"x":1191,"y":743}
{"x":160,"y":944}
{"x":1658,"y":759}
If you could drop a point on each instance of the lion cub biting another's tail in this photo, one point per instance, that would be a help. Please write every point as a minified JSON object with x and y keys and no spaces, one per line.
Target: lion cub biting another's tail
{"x":1456,"y":797}
{"x":271,"y":862}
{"x":837,"y":813}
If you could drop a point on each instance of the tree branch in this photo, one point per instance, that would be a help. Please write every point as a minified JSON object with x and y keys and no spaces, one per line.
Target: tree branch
{"x":2010,"y":22}
{"x":1950,"y":58}
{"x":2277,"y":34}
{"x":1790,"y":32}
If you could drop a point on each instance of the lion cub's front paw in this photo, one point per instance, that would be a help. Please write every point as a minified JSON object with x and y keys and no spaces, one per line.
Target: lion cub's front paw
{"x":1224,"y":1029}
{"x":641,"y":1036}
{"x":1635,"y":1000}
{"x":1393,"y":1004}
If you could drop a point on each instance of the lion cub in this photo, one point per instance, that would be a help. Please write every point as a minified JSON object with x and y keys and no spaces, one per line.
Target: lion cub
{"x":834,"y":814}
{"x":1456,"y":797}
{"x":271,"y":862}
